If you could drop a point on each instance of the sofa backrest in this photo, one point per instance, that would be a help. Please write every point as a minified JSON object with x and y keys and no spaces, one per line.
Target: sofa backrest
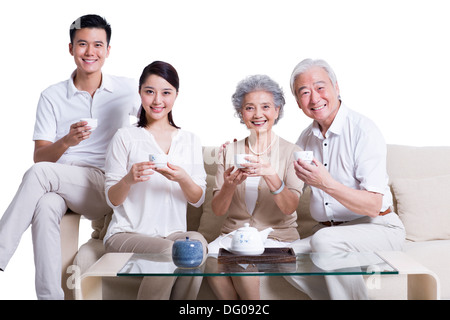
{"x":416,"y":163}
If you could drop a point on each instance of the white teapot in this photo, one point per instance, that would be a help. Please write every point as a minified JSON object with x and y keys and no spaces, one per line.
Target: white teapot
{"x":247,"y":240}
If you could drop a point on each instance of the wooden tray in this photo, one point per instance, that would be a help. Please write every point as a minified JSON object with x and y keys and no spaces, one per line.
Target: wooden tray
{"x":270,"y":255}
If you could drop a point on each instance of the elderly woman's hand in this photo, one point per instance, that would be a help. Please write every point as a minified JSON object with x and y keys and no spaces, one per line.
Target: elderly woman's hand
{"x":257,"y":167}
{"x":232,"y":179}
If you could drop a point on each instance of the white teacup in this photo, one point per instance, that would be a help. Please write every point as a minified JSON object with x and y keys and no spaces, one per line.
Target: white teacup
{"x":304,"y":156}
{"x":91,"y":122}
{"x":159,"y":159}
{"x":239,"y":159}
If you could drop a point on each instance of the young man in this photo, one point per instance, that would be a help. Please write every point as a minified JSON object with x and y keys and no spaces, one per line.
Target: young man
{"x":69,"y":156}
{"x":350,"y":197}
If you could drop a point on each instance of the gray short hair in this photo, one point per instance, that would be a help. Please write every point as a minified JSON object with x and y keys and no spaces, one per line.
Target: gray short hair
{"x":258,"y":83}
{"x":307,"y":64}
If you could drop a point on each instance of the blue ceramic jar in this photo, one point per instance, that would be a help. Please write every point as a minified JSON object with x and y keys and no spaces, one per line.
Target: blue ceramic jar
{"x":187,"y":253}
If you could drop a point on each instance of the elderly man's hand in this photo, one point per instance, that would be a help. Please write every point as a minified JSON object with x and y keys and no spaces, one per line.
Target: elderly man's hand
{"x":315,"y":174}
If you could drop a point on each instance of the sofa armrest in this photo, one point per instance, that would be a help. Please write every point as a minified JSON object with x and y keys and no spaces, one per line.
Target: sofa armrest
{"x":69,"y":226}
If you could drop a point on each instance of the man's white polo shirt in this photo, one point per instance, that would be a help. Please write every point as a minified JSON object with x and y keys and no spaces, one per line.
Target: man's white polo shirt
{"x":354,"y":152}
{"x":63,"y":104}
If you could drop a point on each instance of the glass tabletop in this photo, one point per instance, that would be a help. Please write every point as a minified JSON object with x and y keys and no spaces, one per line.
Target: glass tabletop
{"x":348,"y":263}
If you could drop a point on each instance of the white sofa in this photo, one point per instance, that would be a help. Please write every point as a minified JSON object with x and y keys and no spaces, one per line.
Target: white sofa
{"x":420,"y":182}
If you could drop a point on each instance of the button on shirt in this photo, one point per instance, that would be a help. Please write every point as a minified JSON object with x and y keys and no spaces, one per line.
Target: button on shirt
{"x":354,"y":153}
{"x":62,"y":105}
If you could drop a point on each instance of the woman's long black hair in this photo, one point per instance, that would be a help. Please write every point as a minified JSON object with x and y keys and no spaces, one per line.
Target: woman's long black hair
{"x":165,"y":71}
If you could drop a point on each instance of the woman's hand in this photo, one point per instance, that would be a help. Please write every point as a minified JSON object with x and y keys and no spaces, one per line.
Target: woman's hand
{"x":222,"y":199}
{"x":139,"y":172}
{"x":173,"y":172}
{"x":233,"y":179}
{"x":191,"y":190}
{"x":257,"y":167}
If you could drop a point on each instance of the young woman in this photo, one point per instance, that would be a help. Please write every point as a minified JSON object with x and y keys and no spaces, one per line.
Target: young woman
{"x":150,"y":203}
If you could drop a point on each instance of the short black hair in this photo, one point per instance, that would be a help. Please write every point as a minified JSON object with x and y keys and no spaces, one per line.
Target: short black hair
{"x":90,"y":21}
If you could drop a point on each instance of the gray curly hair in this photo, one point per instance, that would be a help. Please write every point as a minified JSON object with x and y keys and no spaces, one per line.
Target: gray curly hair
{"x":258,"y":83}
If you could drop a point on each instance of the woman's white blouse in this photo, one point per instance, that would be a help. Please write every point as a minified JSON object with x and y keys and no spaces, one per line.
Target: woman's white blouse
{"x":156,"y":207}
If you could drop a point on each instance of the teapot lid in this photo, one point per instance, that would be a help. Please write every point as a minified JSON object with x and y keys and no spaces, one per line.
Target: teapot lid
{"x":247,"y":227}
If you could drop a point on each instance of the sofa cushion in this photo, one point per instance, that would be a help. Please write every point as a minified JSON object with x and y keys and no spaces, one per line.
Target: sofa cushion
{"x":423,"y":208}
{"x":416,"y":163}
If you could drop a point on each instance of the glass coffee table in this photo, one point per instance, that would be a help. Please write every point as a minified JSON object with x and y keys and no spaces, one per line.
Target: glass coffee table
{"x":422,"y":283}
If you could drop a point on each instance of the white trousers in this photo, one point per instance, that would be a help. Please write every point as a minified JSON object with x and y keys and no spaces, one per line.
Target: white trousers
{"x":46,"y":192}
{"x":365,"y":234}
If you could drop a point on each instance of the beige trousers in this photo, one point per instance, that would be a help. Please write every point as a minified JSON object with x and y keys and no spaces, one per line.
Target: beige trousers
{"x":46,"y":192}
{"x":382,"y":233}
{"x":159,"y":288}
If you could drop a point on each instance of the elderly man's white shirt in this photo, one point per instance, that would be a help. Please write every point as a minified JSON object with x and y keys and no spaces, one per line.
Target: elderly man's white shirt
{"x":354,"y":152}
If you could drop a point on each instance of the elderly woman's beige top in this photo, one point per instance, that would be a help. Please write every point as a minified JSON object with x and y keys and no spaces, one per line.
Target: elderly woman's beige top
{"x":266,"y":213}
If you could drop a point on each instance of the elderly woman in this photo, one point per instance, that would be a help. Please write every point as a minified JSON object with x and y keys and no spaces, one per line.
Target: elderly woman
{"x":265,"y":193}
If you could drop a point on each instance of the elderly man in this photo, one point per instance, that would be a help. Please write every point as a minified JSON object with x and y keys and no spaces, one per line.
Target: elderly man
{"x":350,"y":197}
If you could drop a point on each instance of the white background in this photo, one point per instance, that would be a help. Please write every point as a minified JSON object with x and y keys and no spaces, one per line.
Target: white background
{"x":391,"y":57}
